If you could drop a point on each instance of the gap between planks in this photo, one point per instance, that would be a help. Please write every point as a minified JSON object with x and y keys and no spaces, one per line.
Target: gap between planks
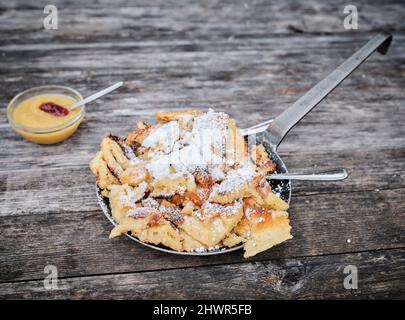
{"x":246,"y":261}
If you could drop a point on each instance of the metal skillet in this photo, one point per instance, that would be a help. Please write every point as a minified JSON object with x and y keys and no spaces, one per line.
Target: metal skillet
{"x":273,"y":132}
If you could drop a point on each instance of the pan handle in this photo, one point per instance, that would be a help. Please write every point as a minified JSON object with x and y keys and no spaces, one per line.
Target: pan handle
{"x":281,"y":125}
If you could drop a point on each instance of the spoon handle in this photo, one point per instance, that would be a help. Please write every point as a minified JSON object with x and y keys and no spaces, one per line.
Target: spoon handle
{"x":291,"y":116}
{"x":310,"y":177}
{"x":96,"y":95}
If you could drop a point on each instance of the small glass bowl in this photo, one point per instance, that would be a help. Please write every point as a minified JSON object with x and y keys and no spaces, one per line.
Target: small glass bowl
{"x":49,"y":135}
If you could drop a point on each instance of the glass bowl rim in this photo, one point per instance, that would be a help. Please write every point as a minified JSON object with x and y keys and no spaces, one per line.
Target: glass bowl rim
{"x":58,"y":128}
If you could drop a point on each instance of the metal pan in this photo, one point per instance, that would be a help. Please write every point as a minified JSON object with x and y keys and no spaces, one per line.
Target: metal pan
{"x":283,"y":187}
{"x":274,"y":131}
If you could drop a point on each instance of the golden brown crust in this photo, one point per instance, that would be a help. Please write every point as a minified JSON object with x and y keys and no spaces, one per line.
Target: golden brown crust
{"x":152,"y":229}
{"x":211,"y":231}
{"x":123,"y":198}
{"x":133,"y":176}
{"x":103,"y":174}
{"x":169,"y":186}
{"x":203,"y":180}
{"x":136,"y":137}
{"x":261,"y":158}
{"x":236,"y":145}
{"x":114,"y":154}
{"x":262,"y":228}
{"x":233,"y":240}
{"x":265,"y":234}
{"x":176,"y":115}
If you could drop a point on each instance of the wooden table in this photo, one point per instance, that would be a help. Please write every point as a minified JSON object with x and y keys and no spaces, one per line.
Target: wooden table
{"x":250,"y":59}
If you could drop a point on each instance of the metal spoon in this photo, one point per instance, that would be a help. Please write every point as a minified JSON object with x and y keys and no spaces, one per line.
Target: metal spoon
{"x":310,"y":177}
{"x":96,"y":95}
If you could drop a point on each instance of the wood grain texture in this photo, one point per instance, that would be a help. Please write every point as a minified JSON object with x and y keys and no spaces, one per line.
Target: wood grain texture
{"x":77,"y":241}
{"x":175,"y":20}
{"x":380,"y":275}
{"x":251,"y":85}
{"x":251,"y":59}
{"x":40,"y":191}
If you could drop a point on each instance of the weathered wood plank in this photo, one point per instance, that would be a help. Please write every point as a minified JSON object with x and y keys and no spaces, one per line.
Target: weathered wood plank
{"x":158,"y":20}
{"x":381,"y":274}
{"x":250,"y":85}
{"x":61,"y":190}
{"x":77,"y":242}
{"x":327,"y":130}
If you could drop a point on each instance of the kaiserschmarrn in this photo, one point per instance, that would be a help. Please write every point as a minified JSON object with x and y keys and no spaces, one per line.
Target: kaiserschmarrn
{"x":191,"y":183}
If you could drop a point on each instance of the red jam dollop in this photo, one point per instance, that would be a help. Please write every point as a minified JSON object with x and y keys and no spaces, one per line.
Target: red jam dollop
{"x":54,"y":109}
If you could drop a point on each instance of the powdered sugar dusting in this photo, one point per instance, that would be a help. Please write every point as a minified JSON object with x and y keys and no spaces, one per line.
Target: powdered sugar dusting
{"x":140,"y":212}
{"x":236,"y":178}
{"x":133,"y":195}
{"x":209,"y":131}
{"x":151,"y":203}
{"x":216,"y":208}
{"x":217,"y":174}
{"x":211,"y":120}
{"x":159,"y":168}
{"x":202,"y":147}
{"x":164,"y":136}
{"x":210,"y":209}
{"x":129,"y":153}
